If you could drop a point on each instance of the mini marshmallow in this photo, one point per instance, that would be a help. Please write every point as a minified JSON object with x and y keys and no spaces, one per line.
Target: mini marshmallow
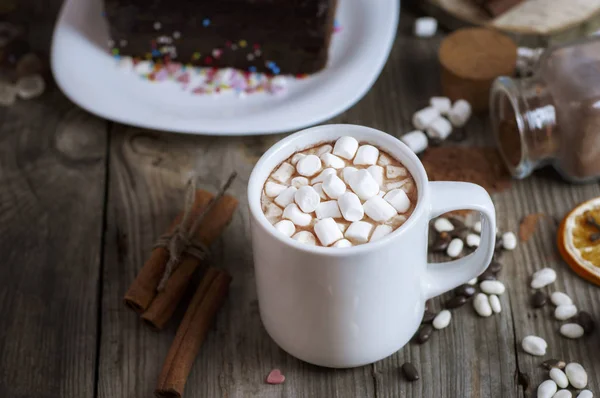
{"x":299,"y":182}
{"x":398,"y":199}
{"x":307,"y":199}
{"x":330,"y":160}
{"x":293,"y":213}
{"x":380,"y":232}
{"x":286,"y":227}
{"x":286,"y":197}
{"x":396,"y":184}
{"x":273,"y":211}
{"x":395,"y":172}
{"x":407,"y":186}
{"x":334,"y":187}
{"x":473,"y":240}
{"x":378,"y":209}
{"x":350,"y":207}
{"x":423,"y":118}
{"x":319,"y":188}
{"x":366,"y":154}
{"x":477,"y":227}
{"x":363,"y":184}
{"x":272,"y":189}
{"x":348,"y":172}
{"x":327,"y":231}
{"x":416,"y":140}
{"x":359,"y":231}
{"x":305,"y":237}
{"x":284,"y":172}
{"x":323,"y":149}
{"x":381,"y":194}
{"x":383,"y":160}
{"x":443,"y":225}
{"x":328,"y":209}
{"x":296,"y":158}
{"x":440,"y":128}
{"x":377,"y":173}
{"x":442,"y":104}
{"x":323,"y":175}
{"x":342,"y":243}
{"x":309,"y":165}
{"x":345,"y":147}
{"x":425,"y":27}
{"x":343,"y":227}
{"x":460,"y":113}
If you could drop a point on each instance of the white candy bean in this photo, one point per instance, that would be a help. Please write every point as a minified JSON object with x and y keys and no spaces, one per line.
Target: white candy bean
{"x":308,"y":166}
{"x":564,"y":312}
{"x":425,"y":27}
{"x":586,"y":394}
{"x":284,"y":173}
{"x":286,"y":227}
{"x":350,"y":207}
{"x":299,"y":182}
{"x":366,"y":155}
{"x":327,"y":231}
{"x":443,"y":225}
{"x":334,"y":187}
{"x":328,"y":209}
{"x":455,"y":248}
{"x":563,"y":394}
{"x":286,"y":197}
{"x":482,"y":305}
{"x":293,"y":213}
{"x":440,"y":128}
{"x":472,"y":282}
{"x":359,"y":231}
{"x":571,"y":330}
{"x":473,"y":240}
{"x":345,"y":147}
{"x":534,"y":345}
{"x":378,"y":209}
{"x":576,"y":375}
{"x":560,"y":298}
{"x":423,"y":118}
{"x":495,"y":303}
{"x":272,"y":189}
{"x":509,"y":241}
{"x":547,"y":389}
{"x":442,"y":319}
{"x":330,"y":160}
{"x":442,"y":104}
{"x":559,"y":377}
{"x":398,"y":199}
{"x":477,"y":227}
{"x":542,"y":278}
{"x":380,"y":232}
{"x":460,"y":113}
{"x":492,"y":287}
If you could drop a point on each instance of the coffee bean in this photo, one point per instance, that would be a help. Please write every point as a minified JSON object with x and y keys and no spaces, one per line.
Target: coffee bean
{"x":539,"y":299}
{"x":486,"y":276}
{"x":495,"y":267}
{"x":455,"y":302}
{"x":460,"y":232}
{"x":410,"y":372}
{"x":553,"y":363}
{"x":441,"y":242}
{"x":465,"y":290}
{"x":429,"y":305}
{"x":523,"y":380}
{"x":585,"y":320}
{"x":428,"y":316}
{"x":458,"y":224}
{"x":424,"y":333}
{"x":498,"y":245}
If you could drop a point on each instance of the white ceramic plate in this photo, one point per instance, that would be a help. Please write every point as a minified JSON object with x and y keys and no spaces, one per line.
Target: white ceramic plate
{"x":88,"y":75}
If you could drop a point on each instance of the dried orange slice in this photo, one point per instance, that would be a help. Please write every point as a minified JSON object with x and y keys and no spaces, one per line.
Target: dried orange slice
{"x":579,"y":240}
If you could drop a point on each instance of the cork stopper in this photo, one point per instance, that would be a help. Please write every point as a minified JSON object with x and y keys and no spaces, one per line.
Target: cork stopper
{"x":471,"y":59}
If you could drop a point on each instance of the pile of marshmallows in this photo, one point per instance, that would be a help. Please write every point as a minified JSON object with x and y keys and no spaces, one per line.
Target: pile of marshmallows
{"x":377,"y":189}
{"x":437,"y":120}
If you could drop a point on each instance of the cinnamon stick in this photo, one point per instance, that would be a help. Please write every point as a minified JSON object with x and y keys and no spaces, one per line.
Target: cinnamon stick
{"x":165,"y":302}
{"x":143,"y":289}
{"x":192,"y":331}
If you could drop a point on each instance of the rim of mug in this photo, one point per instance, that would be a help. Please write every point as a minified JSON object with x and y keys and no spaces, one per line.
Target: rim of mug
{"x":256,"y":184}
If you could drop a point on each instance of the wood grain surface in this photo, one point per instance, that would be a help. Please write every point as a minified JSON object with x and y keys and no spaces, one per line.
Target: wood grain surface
{"x":82,"y":201}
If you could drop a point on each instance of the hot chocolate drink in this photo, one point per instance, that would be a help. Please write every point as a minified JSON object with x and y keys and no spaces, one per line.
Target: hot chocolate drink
{"x":339,"y":194}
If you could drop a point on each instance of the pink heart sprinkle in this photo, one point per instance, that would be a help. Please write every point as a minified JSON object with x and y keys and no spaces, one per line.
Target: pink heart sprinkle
{"x":275,"y":377}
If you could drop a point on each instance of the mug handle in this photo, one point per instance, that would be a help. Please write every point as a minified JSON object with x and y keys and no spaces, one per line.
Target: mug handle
{"x":448,"y":196}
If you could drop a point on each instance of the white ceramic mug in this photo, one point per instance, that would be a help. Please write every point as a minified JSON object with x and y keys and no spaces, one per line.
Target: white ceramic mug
{"x":346,"y":307}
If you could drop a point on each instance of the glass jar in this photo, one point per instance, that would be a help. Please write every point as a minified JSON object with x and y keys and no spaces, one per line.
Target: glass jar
{"x":554,"y":116}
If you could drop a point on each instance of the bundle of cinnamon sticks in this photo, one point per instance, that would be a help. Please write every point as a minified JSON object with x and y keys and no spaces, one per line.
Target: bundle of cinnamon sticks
{"x":162,"y":281}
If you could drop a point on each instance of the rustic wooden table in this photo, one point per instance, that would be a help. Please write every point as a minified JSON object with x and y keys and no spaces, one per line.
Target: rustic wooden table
{"x":83,"y":199}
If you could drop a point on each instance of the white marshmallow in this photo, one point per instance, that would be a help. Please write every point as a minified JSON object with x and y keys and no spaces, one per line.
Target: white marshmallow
{"x":460,"y":113}
{"x":440,"y":128}
{"x":407,"y":186}
{"x":363,"y":184}
{"x":477,"y":227}
{"x":286,"y":227}
{"x":272,"y":189}
{"x":309,"y":165}
{"x":284,"y":172}
{"x":359,"y":231}
{"x":442,"y":224}
{"x":425,"y":27}
{"x":348,"y":172}
{"x":381,"y":194}
{"x":395,"y":171}
{"x":398,"y":199}
{"x":327,"y":231}
{"x":330,"y":160}
{"x":423,"y":118}
{"x":293,"y":213}
{"x":343,"y":227}
{"x":396,"y":184}
{"x":323,"y":149}
{"x":328,"y":209}
{"x":307,"y":199}
{"x":350,"y":207}
{"x":319,"y":188}
{"x":380,"y":232}
{"x":296,"y":158}
{"x":416,"y":140}
{"x":377,"y":174}
{"x":299,"y":182}
{"x":442,"y":104}
{"x":323,"y":175}
{"x":366,"y":154}
{"x":286,"y":197}
{"x":473,"y":240}
{"x":383,"y":160}
{"x":378,"y":209}
{"x":509,"y":241}
{"x":345,"y":147}
{"x":306,"y":238}
{"x":334,"y":187}
{"x":343,"y":243}
{"x":273,"y":212}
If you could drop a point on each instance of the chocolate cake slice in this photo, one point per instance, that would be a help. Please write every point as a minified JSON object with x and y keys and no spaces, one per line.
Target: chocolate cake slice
{"x":269,"y":36}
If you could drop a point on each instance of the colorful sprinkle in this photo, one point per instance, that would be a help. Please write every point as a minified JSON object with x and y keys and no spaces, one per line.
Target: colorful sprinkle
{"x":176,"y":35}
{"x":336,"y":26}
{"x":196,"y":56}
{"x":258,"y":53}
{"x":256,"y":46}
{"x":250,"y":57}
{"x":228,"y":44}
{"x":123,"y":43}
{"x":217,"y":53}
{"x":208,"y":60}
{"x":111,"y":43}
{"x":115,"y":51}
{"x":252,"y":69}
{"x":156,"y":53}
{"x":206,"y":22}
{"x":243,"y":43}
{"x":157,"y":25}
{"x":234,"y":47}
